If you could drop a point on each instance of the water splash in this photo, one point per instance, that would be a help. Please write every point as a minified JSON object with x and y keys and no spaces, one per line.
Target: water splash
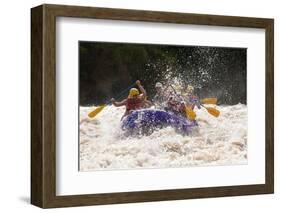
{"x":218,"y":141}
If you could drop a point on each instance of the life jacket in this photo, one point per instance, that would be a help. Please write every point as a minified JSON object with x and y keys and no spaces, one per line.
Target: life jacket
{"x":134,"y":104}
{"x":176,"y":105}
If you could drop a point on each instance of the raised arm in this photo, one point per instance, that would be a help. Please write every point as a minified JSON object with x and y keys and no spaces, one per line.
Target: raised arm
{"x":138,"y":83}
{"x":118,"y":103}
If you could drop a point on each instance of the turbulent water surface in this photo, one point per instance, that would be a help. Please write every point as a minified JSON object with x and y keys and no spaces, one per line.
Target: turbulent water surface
{"x":217,"y":141}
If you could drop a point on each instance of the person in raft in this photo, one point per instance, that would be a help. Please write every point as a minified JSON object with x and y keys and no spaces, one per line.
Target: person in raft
{"x":191,"y":99}
{"x":176,"y":104}
{"x":161,"y":96}
{"x":168,"y":100}
{"x":134,"y":101}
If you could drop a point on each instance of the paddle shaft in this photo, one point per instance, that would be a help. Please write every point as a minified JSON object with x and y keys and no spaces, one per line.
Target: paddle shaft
{"x":100,"y":108}
{"x":121,"y":93}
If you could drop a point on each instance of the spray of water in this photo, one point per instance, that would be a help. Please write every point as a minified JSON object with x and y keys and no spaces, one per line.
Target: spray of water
{"x":216,"y":141}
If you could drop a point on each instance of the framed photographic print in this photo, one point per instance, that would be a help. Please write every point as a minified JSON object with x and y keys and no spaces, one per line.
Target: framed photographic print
{"x":137,"y":106}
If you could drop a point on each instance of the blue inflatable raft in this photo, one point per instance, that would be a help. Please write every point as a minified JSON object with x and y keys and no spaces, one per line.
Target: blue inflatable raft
{"x":147,"y":120}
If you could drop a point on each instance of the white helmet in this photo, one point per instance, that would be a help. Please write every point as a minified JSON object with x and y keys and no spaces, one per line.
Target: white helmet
{"x":158,"y":84}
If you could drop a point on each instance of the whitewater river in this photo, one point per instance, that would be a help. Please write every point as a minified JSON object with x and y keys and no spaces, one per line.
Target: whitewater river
{"x":217,"y":141}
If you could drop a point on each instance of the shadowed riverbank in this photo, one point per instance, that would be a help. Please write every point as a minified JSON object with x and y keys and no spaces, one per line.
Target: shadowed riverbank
{"x":105,"y":69}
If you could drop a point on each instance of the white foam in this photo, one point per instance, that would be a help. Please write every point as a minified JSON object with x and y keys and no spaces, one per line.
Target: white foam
{"x":218,"y":141}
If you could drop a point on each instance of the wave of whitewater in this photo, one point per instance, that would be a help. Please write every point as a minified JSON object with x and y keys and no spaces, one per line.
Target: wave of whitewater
{"x":217,"y":141}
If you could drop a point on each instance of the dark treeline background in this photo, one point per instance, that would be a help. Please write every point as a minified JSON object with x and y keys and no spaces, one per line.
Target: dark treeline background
{"x":106,"y":69}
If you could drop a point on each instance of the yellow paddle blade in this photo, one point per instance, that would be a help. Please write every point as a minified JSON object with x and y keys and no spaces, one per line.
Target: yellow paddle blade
{"x":209,"y":101}
{"x":96,"y":111}
{"x":213,"y":111}
{"x":190,"y":114}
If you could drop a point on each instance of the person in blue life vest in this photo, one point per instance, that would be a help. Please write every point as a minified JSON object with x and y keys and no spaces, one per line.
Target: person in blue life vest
{"x":135,"y":100}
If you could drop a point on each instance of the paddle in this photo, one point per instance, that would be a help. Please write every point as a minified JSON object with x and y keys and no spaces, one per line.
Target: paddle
{"x":212,"y":111}
{"x":190,"y":114}
{"x":96,"y":111}
{"x":209,"y":100}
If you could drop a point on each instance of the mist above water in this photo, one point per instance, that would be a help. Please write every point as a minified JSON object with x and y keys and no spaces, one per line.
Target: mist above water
{"x":106,"y":69}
